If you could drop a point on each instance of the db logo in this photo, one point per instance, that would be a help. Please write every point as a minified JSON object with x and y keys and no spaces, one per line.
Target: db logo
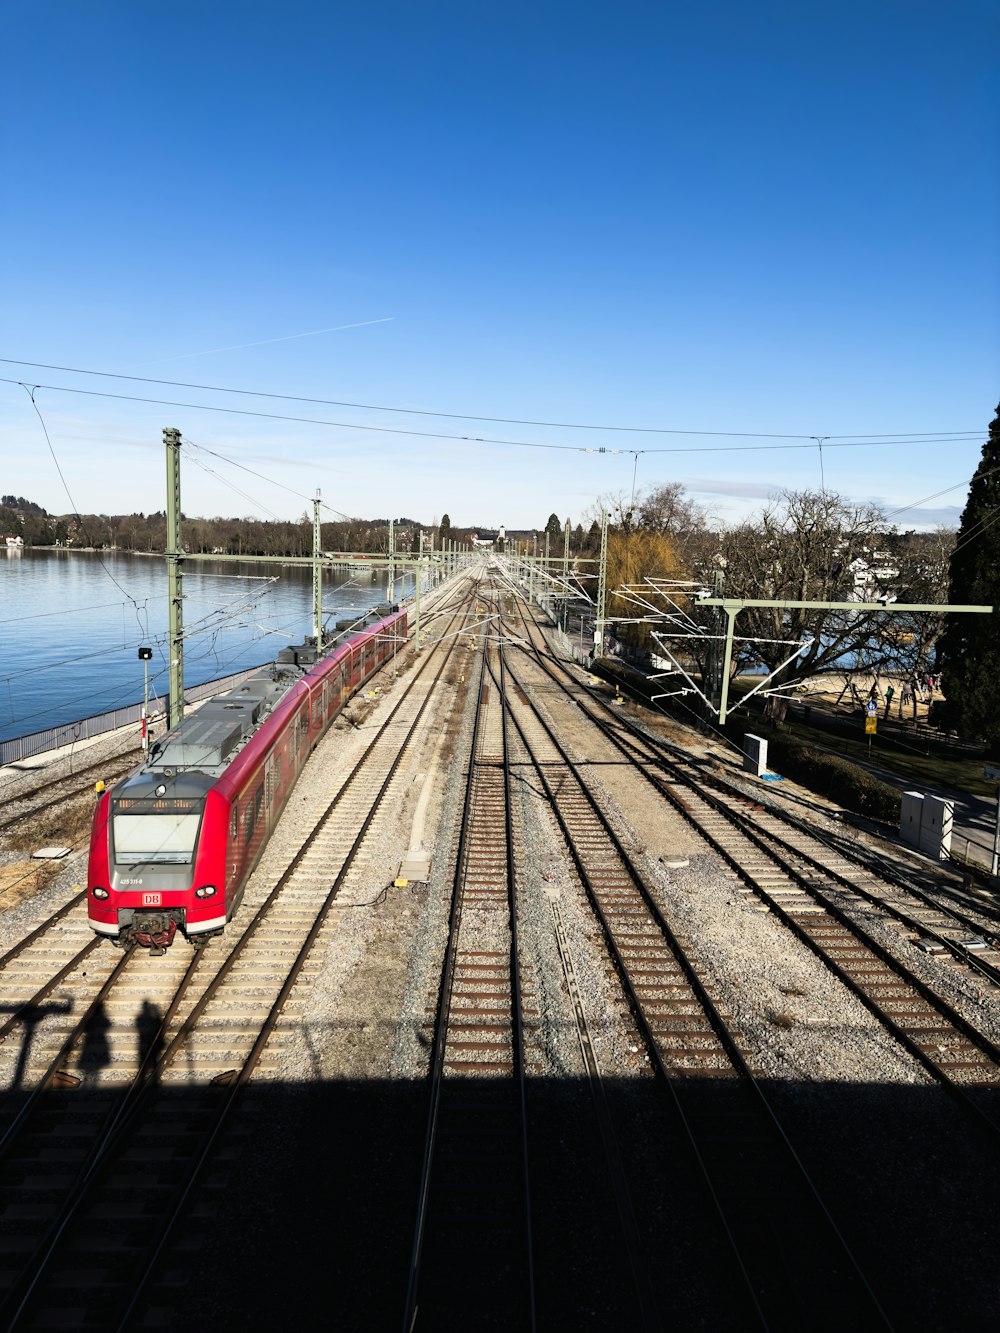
{"x":151,"y":899}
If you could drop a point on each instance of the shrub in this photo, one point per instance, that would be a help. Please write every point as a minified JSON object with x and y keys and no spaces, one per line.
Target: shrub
{"x":829,"y":775}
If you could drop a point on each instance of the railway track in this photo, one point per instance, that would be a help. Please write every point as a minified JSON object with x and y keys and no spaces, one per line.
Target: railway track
{"x":154,"y":1082}
{"x":727,"y":1123}
{"x":472,"y":1259}
{"x":826,"y":898}
{"x":107,"y":770}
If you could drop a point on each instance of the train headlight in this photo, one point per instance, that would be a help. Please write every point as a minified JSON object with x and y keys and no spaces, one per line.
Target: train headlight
{"x":206,"y":891}
{"x":100,"y":893}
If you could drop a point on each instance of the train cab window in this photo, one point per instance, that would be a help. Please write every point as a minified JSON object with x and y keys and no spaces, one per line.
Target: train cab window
{"x":148,"y":829}
{"x":234,"y":822}
{"x":248,"y":822}
{"x":259,"y":803}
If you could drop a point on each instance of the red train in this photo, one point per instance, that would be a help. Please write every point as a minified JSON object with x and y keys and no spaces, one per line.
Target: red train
{"x":173,"y":844}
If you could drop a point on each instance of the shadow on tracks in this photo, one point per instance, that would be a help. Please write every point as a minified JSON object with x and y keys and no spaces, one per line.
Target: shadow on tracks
{"x":306,"y":1220}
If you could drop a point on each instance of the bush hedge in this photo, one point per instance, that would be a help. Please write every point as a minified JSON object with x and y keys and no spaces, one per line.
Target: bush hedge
{"x":829,"y":775}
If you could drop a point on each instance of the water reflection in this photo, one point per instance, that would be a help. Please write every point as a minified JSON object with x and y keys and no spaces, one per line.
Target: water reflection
{"x":72,"y":623}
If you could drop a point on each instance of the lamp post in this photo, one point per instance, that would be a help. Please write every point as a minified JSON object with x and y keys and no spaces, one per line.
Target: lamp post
{"x":144,"y":655}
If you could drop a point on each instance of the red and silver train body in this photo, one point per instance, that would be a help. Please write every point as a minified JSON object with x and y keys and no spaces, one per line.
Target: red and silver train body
{"x":173,"y":844}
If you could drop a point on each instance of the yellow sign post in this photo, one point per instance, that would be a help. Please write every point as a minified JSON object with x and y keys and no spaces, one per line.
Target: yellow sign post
{"x":871,"y":726}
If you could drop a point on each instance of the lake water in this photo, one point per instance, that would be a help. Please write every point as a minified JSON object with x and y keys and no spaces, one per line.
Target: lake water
{"x":71,"y":622}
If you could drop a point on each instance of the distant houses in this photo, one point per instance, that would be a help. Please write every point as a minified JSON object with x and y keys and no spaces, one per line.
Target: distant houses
{"x":872,"y":574}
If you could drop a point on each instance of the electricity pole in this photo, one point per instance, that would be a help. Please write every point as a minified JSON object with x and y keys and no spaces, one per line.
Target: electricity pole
{"x":602,"y":574}
{"x":416,"y":606}
{"x":317,"y":577}
{"x":392,"y":560}
{"x":175,"y":558}
{"x":144,"y":655}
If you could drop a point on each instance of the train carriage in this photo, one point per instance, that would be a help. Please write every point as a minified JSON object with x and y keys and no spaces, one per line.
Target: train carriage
{"x":173,"y":845}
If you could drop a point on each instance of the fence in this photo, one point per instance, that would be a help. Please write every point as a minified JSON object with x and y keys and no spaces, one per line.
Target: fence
{"x":23,"y":747}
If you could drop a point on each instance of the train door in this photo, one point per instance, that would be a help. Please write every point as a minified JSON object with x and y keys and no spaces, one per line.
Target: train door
{"x":233,"y":857}
{"x":272,"y":782}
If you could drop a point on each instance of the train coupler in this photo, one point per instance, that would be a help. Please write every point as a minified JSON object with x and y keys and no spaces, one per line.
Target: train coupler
{"x":154,"y":931}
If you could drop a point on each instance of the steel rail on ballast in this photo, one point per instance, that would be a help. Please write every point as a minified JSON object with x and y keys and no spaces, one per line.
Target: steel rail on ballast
{"x":873,"y":864}
{"x":667,"y":765}
{"x":864,"y":857}
{"x":870,"y":861}
{"x":116,"y":771}
{"x":938,"y":1070}
{"x":441,"y":1024}
{"x":645,"y":1300}
{"x":820,"y":1212}
{"x":516,"y":994}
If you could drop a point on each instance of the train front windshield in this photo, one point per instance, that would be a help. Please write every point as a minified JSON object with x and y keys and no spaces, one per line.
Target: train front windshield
{"x":159,"y":830}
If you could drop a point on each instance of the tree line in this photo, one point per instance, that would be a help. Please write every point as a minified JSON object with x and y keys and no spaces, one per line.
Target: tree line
{"x":147,"y":533}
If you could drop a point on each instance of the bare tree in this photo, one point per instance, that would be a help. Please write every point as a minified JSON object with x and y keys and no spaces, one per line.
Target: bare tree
{"x":811,"y":546}
{"x":669,"y":509}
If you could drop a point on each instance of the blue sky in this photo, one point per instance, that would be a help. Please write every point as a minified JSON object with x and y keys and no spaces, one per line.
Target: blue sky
{"x":778,"y":218}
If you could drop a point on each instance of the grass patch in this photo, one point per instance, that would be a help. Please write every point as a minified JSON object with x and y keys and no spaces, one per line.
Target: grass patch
{"x":358,"y":710}
{"x":64,"y":825}
{"x":942,"y":767}
{"x":22,"y":880}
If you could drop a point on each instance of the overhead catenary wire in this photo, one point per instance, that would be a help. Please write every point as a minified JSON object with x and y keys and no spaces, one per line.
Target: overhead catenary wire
{"x":62,"y":612}
{"x":30,"y":390}
{"x":286,"y":627}
{"x":128,"y":693}
{"x":804,"y":442}
{"x":464,"y":416}
{"x":261,"y":477}
{"x":937,"y":494}
{"x":211,"y":471}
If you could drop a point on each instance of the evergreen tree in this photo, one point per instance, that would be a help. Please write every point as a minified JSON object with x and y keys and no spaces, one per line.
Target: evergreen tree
{"x":553,"y":527}
{"x":968,"y":652}
{"x":444,"y":528}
